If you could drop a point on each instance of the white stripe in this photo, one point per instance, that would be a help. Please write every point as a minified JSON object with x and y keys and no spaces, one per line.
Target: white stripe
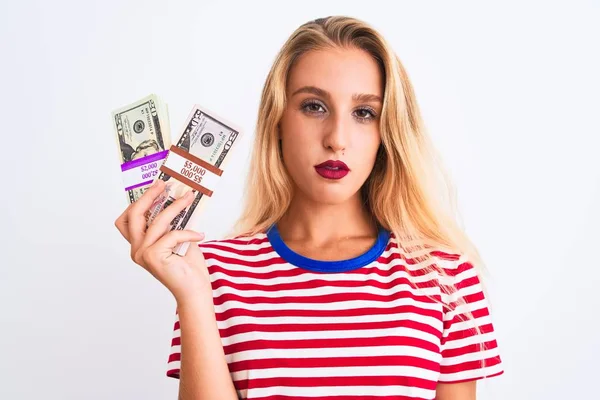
{"x":467,"y":291}
{"x":309,"y":276}
{"x":270,"y":257}
{"x":174,"y":364}
{"x":296,"y":335}
{"x":463,"y":308}
{"x":339,"y":305}
{"x":377,"y":370}
{"x":240,"y":320}
{"x":337,"y":352}
{"x":470,"y":324}
{"x":471,"y":374}
{"x":475,"y":339}
{"x":324,"y":391}
{"x":323,"y":290}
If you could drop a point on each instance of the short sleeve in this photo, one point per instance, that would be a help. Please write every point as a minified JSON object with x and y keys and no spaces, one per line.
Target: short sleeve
{"x":174,"y":361}
{"x":469,"y":347}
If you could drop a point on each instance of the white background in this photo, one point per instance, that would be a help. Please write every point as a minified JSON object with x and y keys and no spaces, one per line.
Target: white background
{"x":509,"y":91}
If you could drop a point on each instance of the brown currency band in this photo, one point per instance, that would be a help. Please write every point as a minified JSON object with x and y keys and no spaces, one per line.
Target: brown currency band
{"x":186,"y":180}
{"x":179,"y":151}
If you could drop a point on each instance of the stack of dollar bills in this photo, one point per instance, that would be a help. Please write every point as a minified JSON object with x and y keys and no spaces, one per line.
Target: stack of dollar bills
{"x":194,"y":164}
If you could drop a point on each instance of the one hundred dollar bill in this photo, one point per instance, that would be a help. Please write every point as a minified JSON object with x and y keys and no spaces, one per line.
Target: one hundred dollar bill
{"x":143,"y":138}
{"x":195,"y":164}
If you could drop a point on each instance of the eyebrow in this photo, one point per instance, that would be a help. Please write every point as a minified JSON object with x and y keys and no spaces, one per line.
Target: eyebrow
{"x":323,"y":93}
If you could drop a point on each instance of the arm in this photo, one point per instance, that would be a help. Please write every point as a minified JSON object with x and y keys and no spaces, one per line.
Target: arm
{"x":456,"y":391}
{"x":204,"y":371}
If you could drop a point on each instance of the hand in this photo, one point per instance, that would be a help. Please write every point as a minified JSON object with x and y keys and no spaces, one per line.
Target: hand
{"x":152,"y":248}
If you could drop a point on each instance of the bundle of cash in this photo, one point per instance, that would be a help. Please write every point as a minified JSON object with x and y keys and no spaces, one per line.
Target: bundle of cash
{"x":143,"y":138}
{"x":195,"y":164}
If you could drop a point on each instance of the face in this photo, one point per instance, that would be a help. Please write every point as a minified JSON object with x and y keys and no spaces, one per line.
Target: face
{"x":145,"y":148}
{"x":334,"y":102}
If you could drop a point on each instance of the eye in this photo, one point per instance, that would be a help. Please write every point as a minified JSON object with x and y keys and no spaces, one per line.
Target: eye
{"x":313,"y":107}
{"x":365,"y":114}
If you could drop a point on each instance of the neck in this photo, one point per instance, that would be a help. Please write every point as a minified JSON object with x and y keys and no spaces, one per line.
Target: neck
{"x":314,"y":222}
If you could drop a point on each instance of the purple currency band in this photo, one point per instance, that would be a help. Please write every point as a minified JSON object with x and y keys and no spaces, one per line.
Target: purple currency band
{"x":142,"y":176}
{"x":144,"y":160}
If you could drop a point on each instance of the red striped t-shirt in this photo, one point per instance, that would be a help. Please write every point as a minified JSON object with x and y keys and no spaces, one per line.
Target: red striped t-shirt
{"x":377,"y":326}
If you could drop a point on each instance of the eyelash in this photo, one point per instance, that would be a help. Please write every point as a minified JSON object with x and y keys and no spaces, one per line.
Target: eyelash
{"x":309,"y":103}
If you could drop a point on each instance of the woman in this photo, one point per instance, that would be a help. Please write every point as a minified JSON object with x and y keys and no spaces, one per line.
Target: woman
{"x":347,"y":275}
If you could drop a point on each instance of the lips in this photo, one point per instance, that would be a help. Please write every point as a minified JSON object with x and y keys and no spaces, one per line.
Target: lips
{"x":332,"y":169}
{"x":334,"y":165}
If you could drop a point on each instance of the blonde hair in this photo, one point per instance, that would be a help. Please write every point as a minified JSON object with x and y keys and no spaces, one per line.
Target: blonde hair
{"x":408,"y":191}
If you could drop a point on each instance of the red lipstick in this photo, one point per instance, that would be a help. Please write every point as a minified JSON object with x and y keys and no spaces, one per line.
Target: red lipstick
{"x":332,"y":169}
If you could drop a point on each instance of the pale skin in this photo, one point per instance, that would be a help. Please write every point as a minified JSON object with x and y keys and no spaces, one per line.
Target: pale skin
{"x":334,"y":101}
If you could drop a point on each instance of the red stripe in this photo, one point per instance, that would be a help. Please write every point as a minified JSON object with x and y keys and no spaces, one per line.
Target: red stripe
{"x":353,"y":326}
{"x":466,"y":333}
{"x":246,"y":252}
{"x":320,"y":283}
{"x":331,"y":343}
{"x":480,"y":313}
{"x":265,"y":275}
{"x":337,"y":397}
{"x":275,"y":260}
{"x":338,"y":381}
{"x":383,"y":271}
{"x":402,"y":309}
{"x":470,"y":349}
{"x":173,"y":373}
{"x":466,"y":283}
{"x":321,"y":299}
{"x":468,"y":299}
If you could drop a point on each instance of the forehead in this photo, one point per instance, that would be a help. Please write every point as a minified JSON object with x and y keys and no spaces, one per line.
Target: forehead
{"x":338,"y":71}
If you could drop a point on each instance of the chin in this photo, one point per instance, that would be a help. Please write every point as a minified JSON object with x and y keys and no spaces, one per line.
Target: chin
{"x":332,"y":196}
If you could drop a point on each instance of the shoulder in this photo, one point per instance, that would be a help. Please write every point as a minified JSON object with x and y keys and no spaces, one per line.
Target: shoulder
{"x":241,"y":247}
{"x":420,"y":255}
{"x":435,"y":266}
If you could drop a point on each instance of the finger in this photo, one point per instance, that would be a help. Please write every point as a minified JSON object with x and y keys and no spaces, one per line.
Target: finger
{"x":165,"y":245}
{"x":121,"y":223}
{"x":136,"y":220}
{"x":161,"y":223}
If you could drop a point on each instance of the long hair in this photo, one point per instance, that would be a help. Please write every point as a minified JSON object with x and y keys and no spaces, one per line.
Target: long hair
{"x":408,"y":191}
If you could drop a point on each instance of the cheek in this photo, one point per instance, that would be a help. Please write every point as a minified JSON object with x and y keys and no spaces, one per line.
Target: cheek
{"x":368,"y":143}
{"x":298,"y":136}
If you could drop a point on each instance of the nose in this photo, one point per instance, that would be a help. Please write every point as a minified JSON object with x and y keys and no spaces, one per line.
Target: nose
{"x":336,"y":135}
